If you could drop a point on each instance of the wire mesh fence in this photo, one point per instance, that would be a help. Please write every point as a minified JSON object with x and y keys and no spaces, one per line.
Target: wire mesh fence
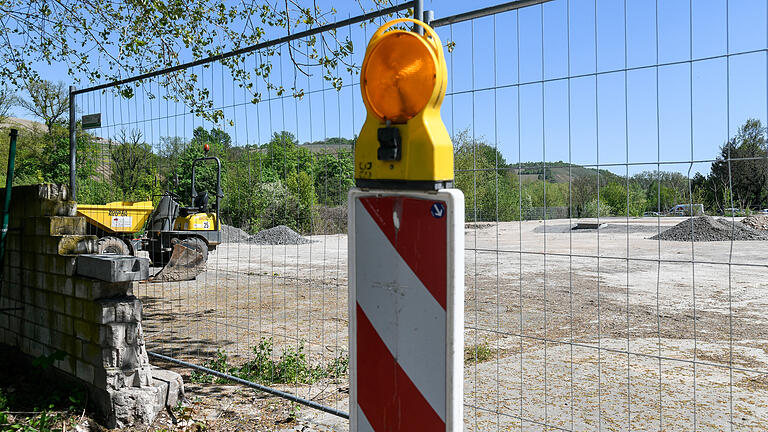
{"x":628,"y":114}
{"x":270,"y":304}
{"x":588,"y":137}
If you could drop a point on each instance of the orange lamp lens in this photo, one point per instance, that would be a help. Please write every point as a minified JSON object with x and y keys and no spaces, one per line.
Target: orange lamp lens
{"x":399,"y":76}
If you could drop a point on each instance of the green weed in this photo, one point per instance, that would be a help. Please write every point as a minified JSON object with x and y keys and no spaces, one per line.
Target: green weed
{"x":291,"y":366}
{"x":479,"y":353}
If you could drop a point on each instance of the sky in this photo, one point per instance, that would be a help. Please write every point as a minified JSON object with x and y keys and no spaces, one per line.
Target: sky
{"x":509,"y":87}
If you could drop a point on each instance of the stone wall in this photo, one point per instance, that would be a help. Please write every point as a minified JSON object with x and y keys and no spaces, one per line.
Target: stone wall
{"x":94,"y":326}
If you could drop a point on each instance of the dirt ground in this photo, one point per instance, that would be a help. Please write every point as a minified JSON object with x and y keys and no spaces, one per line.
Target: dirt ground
{"x":574,"y":329}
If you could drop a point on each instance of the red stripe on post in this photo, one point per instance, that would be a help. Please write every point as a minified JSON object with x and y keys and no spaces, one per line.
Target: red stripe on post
{"x":421,"y":239}
{"x":389,"y":399}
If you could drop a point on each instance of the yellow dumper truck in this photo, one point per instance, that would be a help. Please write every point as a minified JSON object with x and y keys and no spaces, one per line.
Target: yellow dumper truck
{"x":177,"y":238}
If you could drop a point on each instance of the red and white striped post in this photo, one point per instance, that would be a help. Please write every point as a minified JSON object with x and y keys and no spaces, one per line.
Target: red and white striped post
{"x":406,"y":309}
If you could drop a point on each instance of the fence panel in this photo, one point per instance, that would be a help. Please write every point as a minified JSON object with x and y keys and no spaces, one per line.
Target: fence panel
{"x":616,"y":116}
{"x":616,"y":112}
{"x":270,"y":307}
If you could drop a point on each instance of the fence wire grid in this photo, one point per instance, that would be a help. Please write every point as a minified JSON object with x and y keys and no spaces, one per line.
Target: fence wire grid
{"x":590,"y":138}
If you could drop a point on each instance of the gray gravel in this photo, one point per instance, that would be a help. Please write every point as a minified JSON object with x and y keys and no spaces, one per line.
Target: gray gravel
{"x":230,"y":234}
{"x":279,"y":235}
{"x":612,"y":228}
{"x":707,"y":228}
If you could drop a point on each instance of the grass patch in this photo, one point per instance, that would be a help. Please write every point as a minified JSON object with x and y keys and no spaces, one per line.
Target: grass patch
{"x":291,"y":366}
{"x":479,"y":353}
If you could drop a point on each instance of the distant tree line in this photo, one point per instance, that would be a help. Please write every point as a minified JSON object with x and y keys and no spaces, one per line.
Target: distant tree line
{"x":283,"y":182}
{"x":498,"y":190}
{"x":276,"y":183}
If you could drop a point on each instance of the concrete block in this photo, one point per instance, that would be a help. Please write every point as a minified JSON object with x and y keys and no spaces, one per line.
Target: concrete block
{"x":69,"y":365}
{"x":36,"y":349}
{"x":14,"y":259}
{"x":28,"y":329}
{"x":171,"y":385}
{"x":135,"y":405}
{"x":83,"y":288}
{"x":13,"y":242}
{"x":44,"y":334}
{"x":58,"y":265}
{"x":40,"y":297}
{"x":64,"y":323}
{"x":55,"y":226}
{"x":131,"y":333}
{"x":58,"y":208}
{"x":14,"y":325}
{"x":106,"y":311}
{"x":113,"y":268}
{"x":12,"y":291}
{"x":85,"y":371}
{"x":113,"y":335}
{"x":92,"y":289}
{"x":28,"y":313}
{"x":39,"y":279}
{"x":86,"y":331}
{"x":92,"y":354}
{"x":128,"y":310}
{"x":10,"y":338}
{"x":57,"y":303}
{"x":71,"y":345}
{"x":76,"y":244}
{"x":63,"y":245}
{"x":69,"y":306}
{"x":100,"y":377}
{"x":111,"y":289}
{"x":110,"y":357}
{"x":75,"y":307}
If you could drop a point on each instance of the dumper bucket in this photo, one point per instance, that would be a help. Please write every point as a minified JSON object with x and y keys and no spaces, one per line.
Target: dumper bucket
{"x":187,"y":261}
{"x":117,"y":217}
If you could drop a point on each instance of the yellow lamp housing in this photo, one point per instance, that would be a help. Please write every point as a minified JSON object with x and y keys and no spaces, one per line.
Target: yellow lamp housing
{"x":404,"y":143}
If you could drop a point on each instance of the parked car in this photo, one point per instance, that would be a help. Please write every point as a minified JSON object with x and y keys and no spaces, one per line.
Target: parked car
{"x":651,"y":213}
{"x":764,"y":211}
{"x":733,"y":211}
{"x":687,"y":210}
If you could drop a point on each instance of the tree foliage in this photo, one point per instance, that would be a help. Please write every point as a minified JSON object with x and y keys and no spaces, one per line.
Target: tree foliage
{"x":742,"y":168}
{"x":47,"y":100}
{"x":334,"y":176}
{"x":133,"y":166}
{"x":103,"y":41}
{"x":491,"y":191}
{"x":44,"y":157}
{"x":7,"y":101}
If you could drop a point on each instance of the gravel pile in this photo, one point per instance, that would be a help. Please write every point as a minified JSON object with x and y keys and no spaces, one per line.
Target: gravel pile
{"x":707,"y":228}
{"x":279,"y":235}
{"x":230,"y":234}
{"x":758,"y":222}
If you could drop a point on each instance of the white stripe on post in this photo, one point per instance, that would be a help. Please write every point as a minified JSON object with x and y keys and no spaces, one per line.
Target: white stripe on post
{"x":403,"y":312}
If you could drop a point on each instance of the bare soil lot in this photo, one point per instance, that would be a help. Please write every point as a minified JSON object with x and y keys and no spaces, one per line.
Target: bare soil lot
{"x":573,"y":329}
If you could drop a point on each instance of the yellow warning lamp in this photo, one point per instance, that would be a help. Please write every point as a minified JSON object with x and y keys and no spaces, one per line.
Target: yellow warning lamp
{"x":404,"y":143}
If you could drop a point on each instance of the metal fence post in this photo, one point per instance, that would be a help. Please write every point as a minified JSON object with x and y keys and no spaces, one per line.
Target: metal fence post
{"x":418,"y":13}
{"x":429,"y":16}
{"x":72,"y":146}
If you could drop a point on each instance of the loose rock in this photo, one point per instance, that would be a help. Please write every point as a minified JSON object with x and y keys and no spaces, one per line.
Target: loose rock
{"x":758,"y":222}
{"x":230,"y":234}
{"x":279,"y":235}
{"x":707,"y":228}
